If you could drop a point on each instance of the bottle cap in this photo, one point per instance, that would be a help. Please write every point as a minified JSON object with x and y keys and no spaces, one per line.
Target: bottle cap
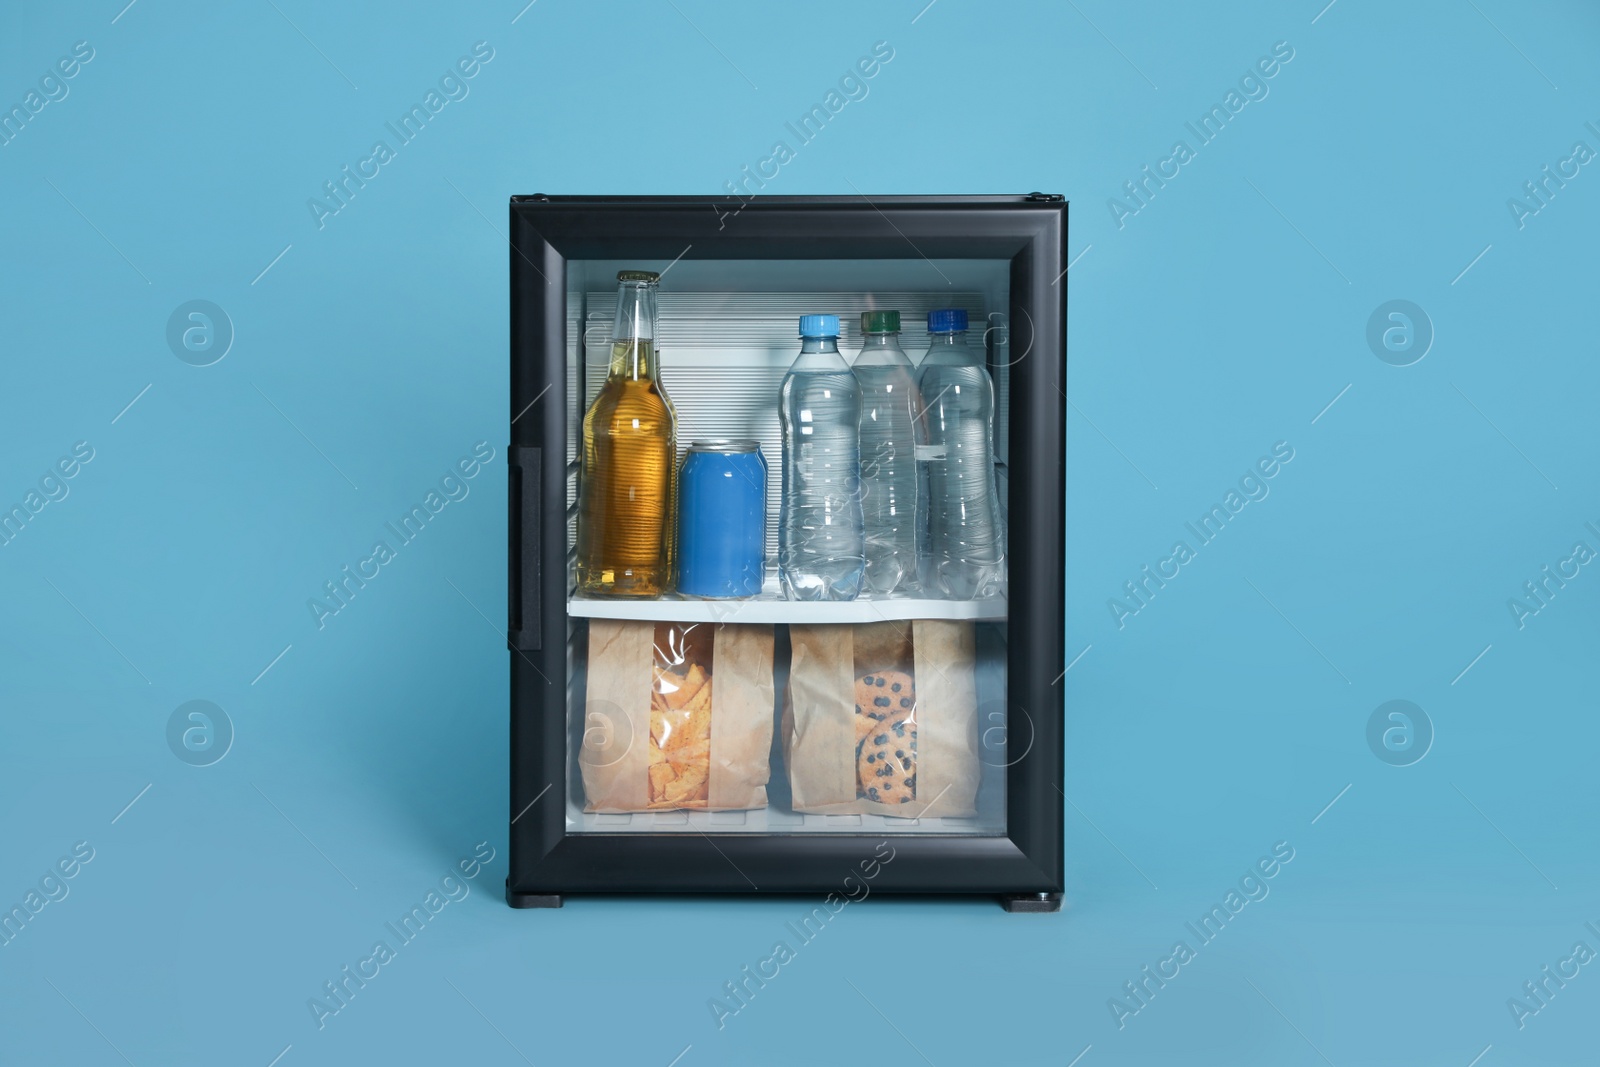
{"x":638,"y":276}
{"x":819,"y":326}
{"x":947,"y":320}
{"x":880,"y":322}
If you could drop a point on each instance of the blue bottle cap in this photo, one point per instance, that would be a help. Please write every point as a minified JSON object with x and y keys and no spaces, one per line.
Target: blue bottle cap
{"x":947,"y":320}
{"x":819,"y":326}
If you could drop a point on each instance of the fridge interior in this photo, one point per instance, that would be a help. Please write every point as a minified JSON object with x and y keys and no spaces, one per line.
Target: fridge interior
{"x":726,"y":334}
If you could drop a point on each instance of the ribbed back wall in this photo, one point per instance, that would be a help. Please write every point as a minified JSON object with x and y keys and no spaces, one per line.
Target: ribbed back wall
{"x":723,"y":357}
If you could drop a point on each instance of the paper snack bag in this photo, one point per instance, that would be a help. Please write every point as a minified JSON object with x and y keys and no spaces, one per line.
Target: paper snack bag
{"x":883,"y":719}
{"x":676,"y":715}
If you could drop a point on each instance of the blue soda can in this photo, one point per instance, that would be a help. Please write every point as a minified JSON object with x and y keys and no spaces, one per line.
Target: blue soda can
{"x":722,"y":519}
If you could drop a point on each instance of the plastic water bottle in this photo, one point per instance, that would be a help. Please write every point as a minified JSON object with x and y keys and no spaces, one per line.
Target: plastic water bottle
{"x":888,"y":454}
{"x":965,"y":556}
{"x":821,"y":545}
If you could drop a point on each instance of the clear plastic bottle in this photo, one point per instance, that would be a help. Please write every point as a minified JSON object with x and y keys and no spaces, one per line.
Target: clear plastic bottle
{"x":888,"y":455}
{"x":821,"y":545}
{"x":965,"y":556}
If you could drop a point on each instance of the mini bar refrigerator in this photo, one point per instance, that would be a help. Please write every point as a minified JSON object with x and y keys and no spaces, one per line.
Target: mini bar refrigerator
{"x":680,"y":744}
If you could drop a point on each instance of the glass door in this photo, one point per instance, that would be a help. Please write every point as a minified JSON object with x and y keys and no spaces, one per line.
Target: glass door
{"x":725,"y":704}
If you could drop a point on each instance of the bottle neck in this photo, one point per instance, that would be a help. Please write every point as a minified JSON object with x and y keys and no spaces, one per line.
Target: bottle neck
{"x":633,"y":331}
{"x":954,"y":337}
{"x":881,"y":340}
{"x":809,"y":345}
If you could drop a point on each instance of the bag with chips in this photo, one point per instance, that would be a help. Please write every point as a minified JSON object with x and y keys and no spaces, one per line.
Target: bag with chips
{"x":676,"y":715}
{"x":882,"y":719}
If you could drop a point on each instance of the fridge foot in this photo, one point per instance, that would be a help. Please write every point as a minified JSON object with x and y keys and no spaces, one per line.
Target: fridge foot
{"x":1023,"y":903}
{"x":532,"y":900}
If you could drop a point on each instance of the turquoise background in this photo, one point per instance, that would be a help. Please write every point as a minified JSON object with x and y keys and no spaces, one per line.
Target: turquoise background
{"x":1224,"y":717}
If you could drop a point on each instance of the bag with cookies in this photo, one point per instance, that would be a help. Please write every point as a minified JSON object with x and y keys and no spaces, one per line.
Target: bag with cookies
{"x":676,"y":715}
{"x":882,"y":719}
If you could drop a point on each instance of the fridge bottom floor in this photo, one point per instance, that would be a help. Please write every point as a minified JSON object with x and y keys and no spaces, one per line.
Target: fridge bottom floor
{"x":772,"y":821}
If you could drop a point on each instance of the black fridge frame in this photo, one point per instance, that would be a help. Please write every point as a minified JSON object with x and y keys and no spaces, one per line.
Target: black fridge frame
{"x":1025,"y":867}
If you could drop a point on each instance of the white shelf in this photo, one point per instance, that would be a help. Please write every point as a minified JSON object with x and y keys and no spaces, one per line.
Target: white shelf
{"x":769,"y":608}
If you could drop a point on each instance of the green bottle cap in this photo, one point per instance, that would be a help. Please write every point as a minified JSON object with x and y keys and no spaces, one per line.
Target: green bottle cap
{"x":880,"y":322}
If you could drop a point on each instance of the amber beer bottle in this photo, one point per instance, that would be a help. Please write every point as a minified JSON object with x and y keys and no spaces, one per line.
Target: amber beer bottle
{"x":626,"y":487}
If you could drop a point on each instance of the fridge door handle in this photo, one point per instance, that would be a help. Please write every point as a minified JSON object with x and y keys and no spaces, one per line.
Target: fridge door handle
{"x":523,"y":571}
